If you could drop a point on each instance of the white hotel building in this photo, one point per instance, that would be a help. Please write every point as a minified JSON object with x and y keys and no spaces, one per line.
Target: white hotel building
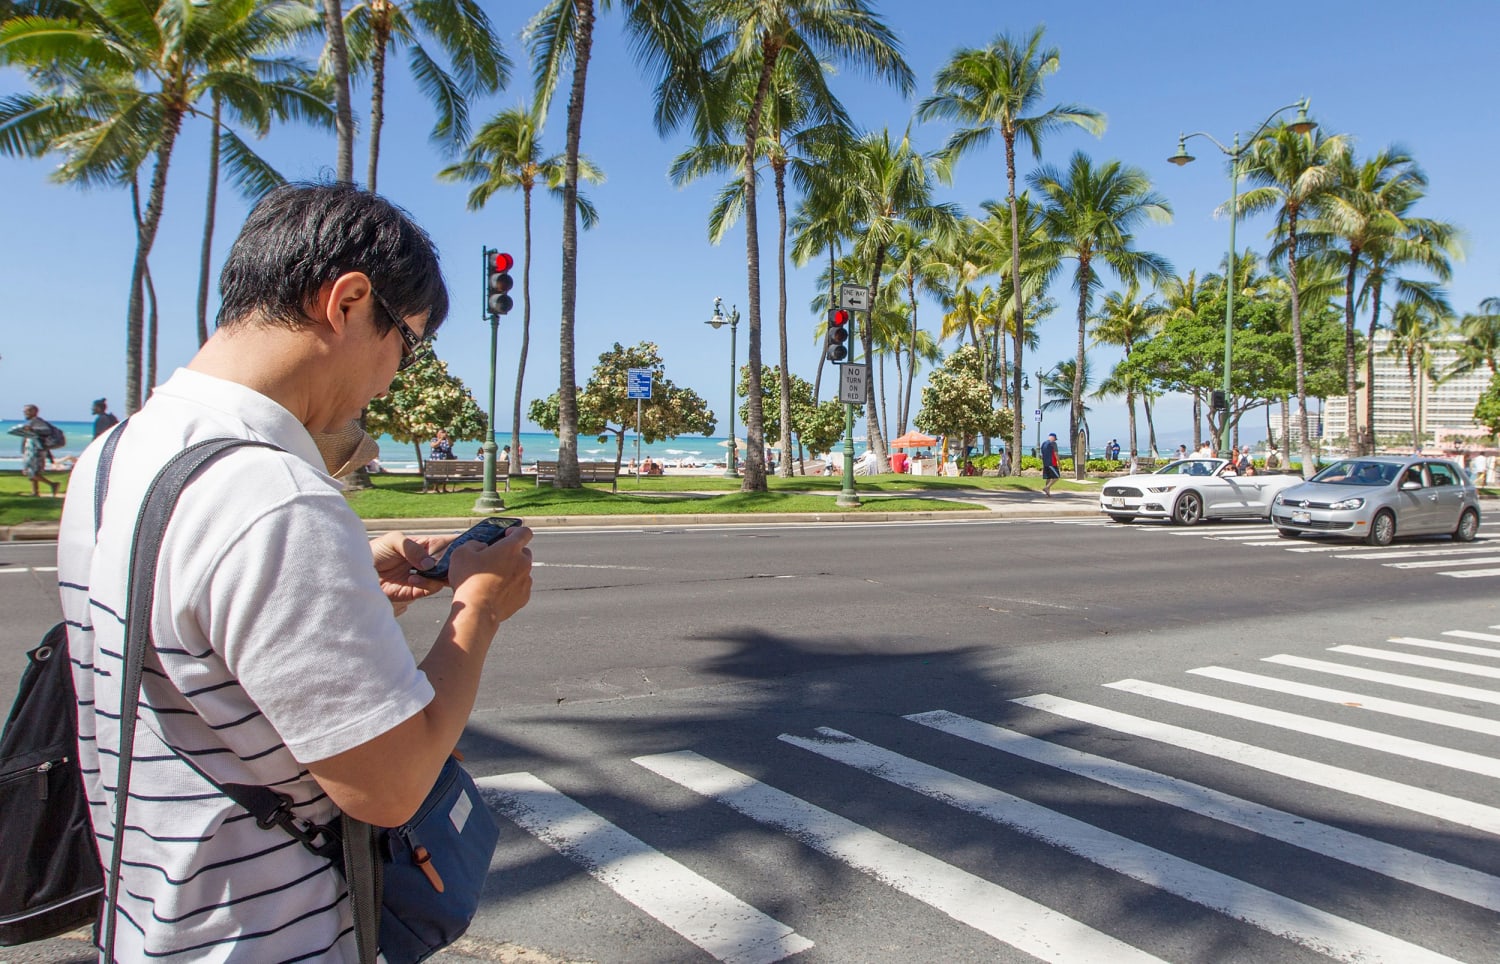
{"x":1444,"y":410}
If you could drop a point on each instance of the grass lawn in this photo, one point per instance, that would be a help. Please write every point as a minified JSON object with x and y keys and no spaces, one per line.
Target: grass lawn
{"x":18,"y":505}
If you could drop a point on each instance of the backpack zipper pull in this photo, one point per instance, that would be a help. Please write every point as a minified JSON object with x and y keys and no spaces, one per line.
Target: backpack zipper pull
{"x":422,"y":857}
{"x":42,"y":789}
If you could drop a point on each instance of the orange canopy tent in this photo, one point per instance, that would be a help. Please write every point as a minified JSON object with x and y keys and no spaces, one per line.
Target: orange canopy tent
{"x":914,"y":440}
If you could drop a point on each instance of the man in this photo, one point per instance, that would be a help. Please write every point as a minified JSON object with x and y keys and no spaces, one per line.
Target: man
{"x":1051,"y":470}
{"x":103,"y":420}
{"x":277,"y":658}
{"x":35,"y":455}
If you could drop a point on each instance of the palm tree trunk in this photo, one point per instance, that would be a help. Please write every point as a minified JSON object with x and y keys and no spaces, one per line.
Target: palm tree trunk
{"x":755,"y":439}
{"x":833,"y":298}
{"x":1197,"y":418}
{"x":567,"y":386}
{"x":205,"y":259}
{"x":1130,"y":404}
{"x":884,"y":411}
{"x":1416,"y":415}
{"x":380,"y":28}
{"x":1370,"y":366}
{"x":333,"y":26}
{"x":145,"y":238}
{"x":1351,"y":419}
{"x":1080,"y":459}
{"x":1297,"y":352}
{"x":515,"y":418}
{"x":153,"y":325}
{"x":1150,"y":424}
{"x":1015,"y":280}
{"x":784,"y":377}
{"x":867,"y":337}
{"x":911,"y":355}
{"x":1286,"y":426}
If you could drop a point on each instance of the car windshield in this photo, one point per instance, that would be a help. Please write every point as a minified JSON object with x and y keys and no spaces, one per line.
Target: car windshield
{"x":1358,"y":472}
{"x":1191,"y":467}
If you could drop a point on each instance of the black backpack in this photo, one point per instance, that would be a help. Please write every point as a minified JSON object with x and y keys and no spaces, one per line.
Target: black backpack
{"x":50,"y":878}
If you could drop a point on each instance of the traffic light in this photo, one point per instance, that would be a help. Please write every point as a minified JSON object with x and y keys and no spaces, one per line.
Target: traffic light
{"x":498,"y":282}
{"x":1220,"y":401}
{"x":834,"y":348}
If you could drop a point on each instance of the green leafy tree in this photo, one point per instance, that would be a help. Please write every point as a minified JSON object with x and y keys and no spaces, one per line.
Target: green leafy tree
{"x":959,"y":403}
{"x":1125,"y":320}
{"x":605,"y":408}
{"x":813,"y":428}
{"x":423,"y":399}
{"x":1487,"y":410}
{"x":1414,"y":330}
{"x":993,"y":90}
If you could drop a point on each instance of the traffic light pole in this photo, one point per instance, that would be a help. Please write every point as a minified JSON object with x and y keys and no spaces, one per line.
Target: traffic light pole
{"x":848,"y":496}
{"x":489,"y":500}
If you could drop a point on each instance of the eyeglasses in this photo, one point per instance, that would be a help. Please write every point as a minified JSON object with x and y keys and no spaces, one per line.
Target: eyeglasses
{"x":413,"y":348}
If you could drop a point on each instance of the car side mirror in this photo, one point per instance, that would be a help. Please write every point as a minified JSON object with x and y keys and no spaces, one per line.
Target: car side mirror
{"x":1408,"y":485}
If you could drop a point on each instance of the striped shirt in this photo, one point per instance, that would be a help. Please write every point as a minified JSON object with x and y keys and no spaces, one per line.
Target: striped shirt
{"x":274,"y":646}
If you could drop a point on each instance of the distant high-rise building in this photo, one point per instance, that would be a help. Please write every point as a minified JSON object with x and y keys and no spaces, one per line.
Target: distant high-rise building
{"x":1443,"y":409}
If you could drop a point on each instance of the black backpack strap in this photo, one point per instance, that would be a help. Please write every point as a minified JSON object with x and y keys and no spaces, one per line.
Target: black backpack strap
{"x":101,"y":473}
{"x":150,"y":526}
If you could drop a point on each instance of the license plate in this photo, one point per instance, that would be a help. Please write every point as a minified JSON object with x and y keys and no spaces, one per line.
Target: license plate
{"x":1117,"y":503}
{"x":1301,"y":516}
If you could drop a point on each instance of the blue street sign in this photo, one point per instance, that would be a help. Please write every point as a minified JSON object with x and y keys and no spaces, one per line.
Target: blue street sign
{"x":638,"y":382}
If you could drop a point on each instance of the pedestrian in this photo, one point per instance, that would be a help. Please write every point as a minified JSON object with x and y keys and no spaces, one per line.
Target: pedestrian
{"x":1246,"y":465}
{"x":1135,"y":462}
{"x":505,"y":456}
{"x":35,"y":455}
{"x":442,"y":447}
{"x":1182,"y":451}
{"x":277,"y":659}
{"x":1051,"y":470}
{"x":1478,"y":468}
{"x":1004,"y":460}
{"x":103,"y":420}
{"x":1206,"y":450}
{"x":1273,"y":457}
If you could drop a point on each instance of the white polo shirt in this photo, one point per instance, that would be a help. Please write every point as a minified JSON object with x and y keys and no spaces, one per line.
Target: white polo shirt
{"x":273,"y":644}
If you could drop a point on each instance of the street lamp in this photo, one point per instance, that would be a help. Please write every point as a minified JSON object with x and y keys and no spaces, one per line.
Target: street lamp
{"x":716,"y":322}
{"x":1302,"y":125}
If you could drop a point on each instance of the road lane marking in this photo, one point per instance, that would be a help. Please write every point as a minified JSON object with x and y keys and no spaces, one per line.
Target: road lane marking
{"x":1439,"y":563}
{"x":1339,"y":732}
{"x":1322,"y":775}
{"x":1374,"y":552}
{"x":1341,"y":939}
{"x":1412,"y":659}
{"x":715,"y":920}
{"x":1445,"y":646}
{"x":1420,"y":870}
{"x":1466,"y":634}
{"x":1470,"y":573}
{"x":1389,"y":679}
{"x":1004,"y":915}
{"x":1375,"y":704}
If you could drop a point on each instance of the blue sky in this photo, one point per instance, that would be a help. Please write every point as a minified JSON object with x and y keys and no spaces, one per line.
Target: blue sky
{"x":1378,"y":71}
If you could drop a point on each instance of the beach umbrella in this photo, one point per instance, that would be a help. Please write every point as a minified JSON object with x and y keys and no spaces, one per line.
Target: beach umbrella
{"x":914,"y":440}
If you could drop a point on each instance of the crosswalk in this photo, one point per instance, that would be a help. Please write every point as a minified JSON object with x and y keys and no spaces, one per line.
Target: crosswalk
{"x":1457,"y":560}
{"x":1345,"y":798}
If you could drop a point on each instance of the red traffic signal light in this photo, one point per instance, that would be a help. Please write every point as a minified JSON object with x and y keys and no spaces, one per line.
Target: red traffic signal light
{"x":836,"y":334}
{"x":498,"y":282}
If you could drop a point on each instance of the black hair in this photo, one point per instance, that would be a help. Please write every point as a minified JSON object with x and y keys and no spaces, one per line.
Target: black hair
{"x":301,"y":236}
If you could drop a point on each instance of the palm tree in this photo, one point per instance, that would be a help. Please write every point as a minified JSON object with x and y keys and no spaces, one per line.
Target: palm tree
{"x":1061,"y":389}
{"x":1124,"y":321}
{"x":915,"y":264}
{"x":1293,"y":174}
{"x":755,"y":35}
{"x":990,"y":90}
{"x":1414,"y":329}
{"x":116,"y":81}
{"x":337,"y":55}
{"x":1480,"y":341}
{"x":506,"y":155}
{"x":821,"y":222}
{"x":1089,"y":214}
{"x":892,"y":184}
{"x":464,"y":32}
{"x":664,"y":36}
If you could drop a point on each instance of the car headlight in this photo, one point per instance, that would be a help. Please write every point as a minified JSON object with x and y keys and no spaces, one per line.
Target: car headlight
{"x":1280,"y":499}
{"x":1158,"y":489}
{"x":1349,"y":504}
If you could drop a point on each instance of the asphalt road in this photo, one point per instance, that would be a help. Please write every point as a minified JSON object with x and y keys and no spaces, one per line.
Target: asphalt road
{"x":700,"y":746}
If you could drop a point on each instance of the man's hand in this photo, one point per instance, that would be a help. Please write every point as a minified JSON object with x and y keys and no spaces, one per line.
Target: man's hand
{"x":495,"y":579}
{"x":396,"y":554}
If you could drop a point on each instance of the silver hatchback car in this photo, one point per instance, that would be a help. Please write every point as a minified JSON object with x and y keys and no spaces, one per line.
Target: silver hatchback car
{"x":1376,"y":498}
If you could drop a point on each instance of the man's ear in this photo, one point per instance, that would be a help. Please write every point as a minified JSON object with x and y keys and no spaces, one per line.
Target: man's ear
{"x":337,"y":298}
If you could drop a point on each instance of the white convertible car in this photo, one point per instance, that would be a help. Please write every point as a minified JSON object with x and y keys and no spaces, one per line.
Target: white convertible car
{"x":1191,"y":490}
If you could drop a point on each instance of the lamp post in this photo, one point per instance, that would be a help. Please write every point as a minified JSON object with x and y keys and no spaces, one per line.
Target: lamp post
{"x":716,"y":322}
{"x":1301,"y":125}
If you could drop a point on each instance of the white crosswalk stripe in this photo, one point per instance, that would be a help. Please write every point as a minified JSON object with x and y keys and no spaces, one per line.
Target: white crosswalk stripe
{"x":1041,"y":922}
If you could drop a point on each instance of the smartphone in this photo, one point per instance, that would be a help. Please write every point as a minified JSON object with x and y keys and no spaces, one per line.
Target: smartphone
{"x":487,"y":531}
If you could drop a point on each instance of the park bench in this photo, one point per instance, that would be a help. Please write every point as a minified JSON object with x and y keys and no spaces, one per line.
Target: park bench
{"x":546,"y":472}
{"x":437,"y":473}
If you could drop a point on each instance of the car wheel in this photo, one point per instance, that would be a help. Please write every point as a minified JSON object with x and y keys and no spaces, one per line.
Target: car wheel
{"x":1121,"y":518}
{"x":1288,"y":533}
{"x":1468,"y":526}
{"x":1382,"y":529}
{"x":1189,"y":509}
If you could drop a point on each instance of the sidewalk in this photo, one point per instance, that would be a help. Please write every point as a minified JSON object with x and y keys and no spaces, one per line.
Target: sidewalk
{"x":1026,"y":504}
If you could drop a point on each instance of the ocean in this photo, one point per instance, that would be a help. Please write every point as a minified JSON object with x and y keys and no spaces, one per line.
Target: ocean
{"x":698,"y":449}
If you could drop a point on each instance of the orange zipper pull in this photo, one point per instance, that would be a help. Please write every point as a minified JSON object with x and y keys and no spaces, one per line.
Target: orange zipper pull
{"x":423,"y":860}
